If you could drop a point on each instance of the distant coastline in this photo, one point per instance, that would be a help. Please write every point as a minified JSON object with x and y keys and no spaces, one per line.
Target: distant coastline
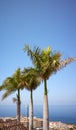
{"x":65,"y":114}
{"x":38,"y":123}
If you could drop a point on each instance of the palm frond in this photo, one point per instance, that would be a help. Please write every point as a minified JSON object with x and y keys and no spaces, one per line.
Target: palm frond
{"x":6,"y":94}
{"x":2,"y":87}
{"x":32,"y":78}
{"x":11,"y":84}
{"x":65,"y":62}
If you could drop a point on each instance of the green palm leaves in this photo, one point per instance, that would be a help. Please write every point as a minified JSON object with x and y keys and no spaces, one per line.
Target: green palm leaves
{"x":8,"y":85}
{"x":44,"y":60}
{"x":32,"y":78}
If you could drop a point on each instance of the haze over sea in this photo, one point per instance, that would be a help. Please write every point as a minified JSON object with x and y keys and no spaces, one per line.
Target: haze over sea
{"x":63,"y":113}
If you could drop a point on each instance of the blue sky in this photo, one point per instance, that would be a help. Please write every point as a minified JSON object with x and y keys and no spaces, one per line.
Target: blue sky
{"x":40,"y":23}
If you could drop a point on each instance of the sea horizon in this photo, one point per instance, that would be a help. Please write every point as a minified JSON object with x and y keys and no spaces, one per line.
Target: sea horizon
{"x":62,"y":113}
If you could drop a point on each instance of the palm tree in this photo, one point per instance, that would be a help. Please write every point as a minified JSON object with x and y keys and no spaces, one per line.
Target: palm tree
{"x":12,"y":84}
{"x":32,"y":80}
{"x":47,"y":63}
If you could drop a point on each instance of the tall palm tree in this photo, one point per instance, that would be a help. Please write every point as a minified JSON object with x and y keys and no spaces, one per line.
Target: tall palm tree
{"x":47,"y":63}
{"x":11,"y":85}
{"x":32,"y":80}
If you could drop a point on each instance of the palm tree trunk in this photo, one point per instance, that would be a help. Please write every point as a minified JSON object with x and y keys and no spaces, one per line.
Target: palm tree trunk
{"x":18,"y":106}
{"x":45,"y":109}
{"x":31,"y":112}
{"x":27,"y":115}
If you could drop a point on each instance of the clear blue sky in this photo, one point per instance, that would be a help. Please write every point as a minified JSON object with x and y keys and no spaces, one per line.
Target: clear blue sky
{"x":42,"y":23}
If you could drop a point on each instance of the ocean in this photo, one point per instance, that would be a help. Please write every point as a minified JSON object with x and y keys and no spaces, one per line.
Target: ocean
{"x":65,"y":114}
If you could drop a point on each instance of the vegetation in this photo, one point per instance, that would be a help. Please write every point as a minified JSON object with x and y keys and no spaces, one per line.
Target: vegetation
{"x":47,"y":63}
{"x":11,"y":85}
{"x":32,"y":80}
